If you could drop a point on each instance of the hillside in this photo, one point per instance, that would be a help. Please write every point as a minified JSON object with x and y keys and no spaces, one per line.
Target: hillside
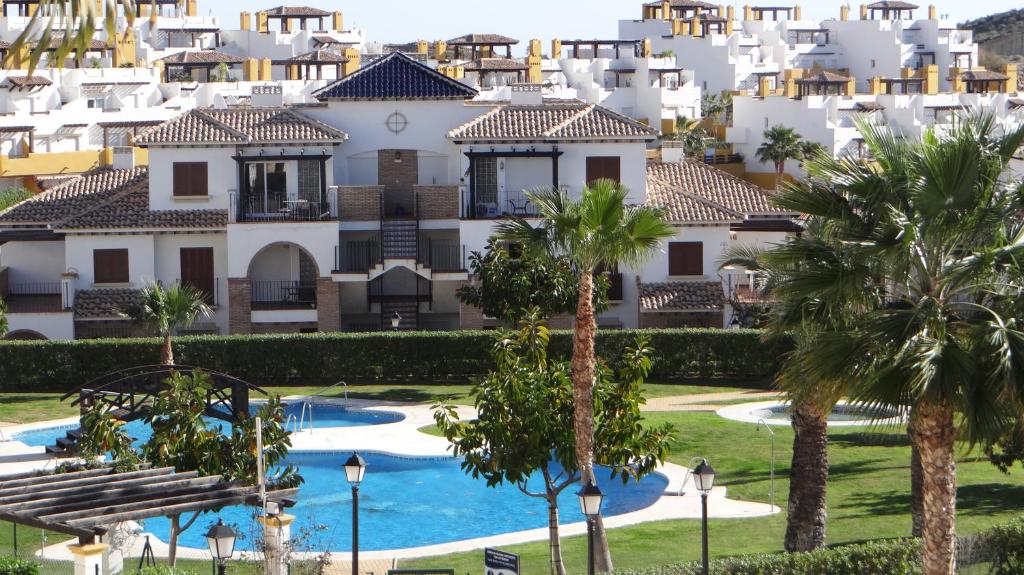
{"x":1001,"y":34}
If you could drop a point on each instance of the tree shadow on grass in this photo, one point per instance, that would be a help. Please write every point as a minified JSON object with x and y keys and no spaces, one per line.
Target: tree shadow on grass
{"x":870,"y":439}
{"x":12,"y":398}
{"x":406,"y":395}
{"x":988,"y":498}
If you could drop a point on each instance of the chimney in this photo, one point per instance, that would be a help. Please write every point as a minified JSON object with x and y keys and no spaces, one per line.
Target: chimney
{"x":124,"y":158}
{"x":527,"y":95}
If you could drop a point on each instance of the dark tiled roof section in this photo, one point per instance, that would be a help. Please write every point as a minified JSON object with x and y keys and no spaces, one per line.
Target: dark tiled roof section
{"x":686,"y":4}
{"x":201,"y":57}
{"x":241,"y":126}
{"x":824,"y":77}
{"x":396,"y":77}
{"x":1016,"y":102}
{"x":892,"y":5}
{"x":552,"y":122}
{"x":316,"y":56}
{"x":105,"y":303}
{"x":711,"y":185}
{"x":482,"y":40}
{"x":94,"y":45}
{"x":130,"y":210}
{"x":682,"y":207}
{"x":869,"y":106}
{"x":73,"y":198}
{"x":682,"y":296}
{"x":497,"y":64}
{"x":983,"y":76}
{"x":26,"y":82}
{"x":296,"y":11}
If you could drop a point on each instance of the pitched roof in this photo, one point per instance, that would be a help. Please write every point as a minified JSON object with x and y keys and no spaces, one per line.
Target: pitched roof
{"x":105,"y":303}
{"x":691,"y":296}
{"x":824,"y":77}
{"x":72,"y":198}
{"x":129,"y":209}
{"x":496,"y":64}
{"x":685,"y":4}
{"x":482,"y":40}
{"x":295,"y":11}
{"x":551,"y":122}
{"x":240,"y":126}
{"x":316,"y":56}
{"x":201,"y":57}
{"x":983,"y":76}
{"x":682,"y":207}
{"x":892,"y":5}
{"x":396,"y":77}
{"x":869,"y":106}
{"x":26,"y":82}
{"x":696,"y":180}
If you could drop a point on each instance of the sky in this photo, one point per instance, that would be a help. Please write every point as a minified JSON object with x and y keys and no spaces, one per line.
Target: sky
{"x":409,"y":20}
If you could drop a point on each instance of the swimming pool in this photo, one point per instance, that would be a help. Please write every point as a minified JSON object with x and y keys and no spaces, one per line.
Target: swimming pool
{"x":324,"y":415}
{"x":410,"y":502}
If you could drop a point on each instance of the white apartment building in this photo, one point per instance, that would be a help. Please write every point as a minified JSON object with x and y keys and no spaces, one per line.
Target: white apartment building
{"x":337,"y":215}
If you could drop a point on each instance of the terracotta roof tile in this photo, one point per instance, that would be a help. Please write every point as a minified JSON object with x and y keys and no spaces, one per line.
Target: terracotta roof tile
{"x":72,"y":198}
{"x":681,"y":207}
{"x":105,"y":303}
{"x":551,"y":122}
{"x":298,"y":11}
{"x":892,"y":5}
{"x":682,"y":296}
{"x":201,"y":57}
{"x":983,"y":76}
{"x":481,"y":39}
{"x":686,"y":4}
{"x":495,"y":64}
{"x":26,"y":82}
{"x":316,"y":56}
{"x":824,"y":77}
{"x":241,"y":126}
{"x":130,"y":210}
{"x":696,"y":180}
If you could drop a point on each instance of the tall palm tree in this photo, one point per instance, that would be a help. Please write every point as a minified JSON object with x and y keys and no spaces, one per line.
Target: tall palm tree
{"x":167,"y":310}
{"x":780,"y":145}
{"x":937,"y":223}
{"x":691,"y":135}
{"x":597,"y":231}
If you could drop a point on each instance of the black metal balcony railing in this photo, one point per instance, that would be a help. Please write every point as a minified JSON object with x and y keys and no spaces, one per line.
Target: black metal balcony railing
{"x":281,"y":295}
{"x":34,"y":297}
{"x":248,"y":208}
{"x":498,"y":205}
{"x":442,"y":255}
{"x":357,"y":256}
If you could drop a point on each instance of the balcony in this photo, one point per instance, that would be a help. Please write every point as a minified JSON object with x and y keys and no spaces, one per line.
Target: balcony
{"x":498,"y":205}
{"x":248,"y":208}
{"x":34,"y":297}
{"x":283,"y":295}
{"x":442,"y":255}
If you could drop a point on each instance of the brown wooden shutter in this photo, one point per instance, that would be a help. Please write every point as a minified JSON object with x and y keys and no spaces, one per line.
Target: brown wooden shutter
{"x":110,"y":266}
{"x":686,"y":259}
{"x":197,"y":271}
{"x":604,"y":168}
{"x":191,"y":179}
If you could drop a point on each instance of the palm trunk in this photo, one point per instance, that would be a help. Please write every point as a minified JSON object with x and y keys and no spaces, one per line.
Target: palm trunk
{"x":916,"y":484}
{"x":583,"y":399}
{"x":935,"y":435}
{"x":166,"y":351}
{"x":808,"y":508}
{"x":554,"y":542}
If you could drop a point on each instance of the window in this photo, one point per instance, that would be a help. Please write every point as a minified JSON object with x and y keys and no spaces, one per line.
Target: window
{"x":485,"y":179}
{"x":190,"y":179}
{"x":686,"y":259}
{"x":197,"y":271}
{"x":96,"y":103}
{"x":603,"y":168}
{"x":110,"y":266}
{"x":266,"y":187}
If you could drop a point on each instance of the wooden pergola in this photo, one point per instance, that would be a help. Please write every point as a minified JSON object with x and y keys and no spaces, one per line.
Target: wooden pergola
{"x":482,"y":45}
{"x":29,"y":131}
{"x":892,"y":9}
{"x":149,"y":5}
{"x":132,"y":126}
{"x":596,"y":45}
{"x":285,"y":14}
{"x":310,"y":66}
{"x":775,"y":11}
{"x":824,"y":83}
{"x":86,"y":504}
{"x":209,"y":60}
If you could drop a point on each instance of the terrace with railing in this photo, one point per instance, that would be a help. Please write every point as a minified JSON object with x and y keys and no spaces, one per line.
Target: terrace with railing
{"x":283,"y":295}
{"x":31,"y":297}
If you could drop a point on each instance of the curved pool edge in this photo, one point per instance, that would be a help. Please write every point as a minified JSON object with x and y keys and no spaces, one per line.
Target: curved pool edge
{"x":742,"y":413}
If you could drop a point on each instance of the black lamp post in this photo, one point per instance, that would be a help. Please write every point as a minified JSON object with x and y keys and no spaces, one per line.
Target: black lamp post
{"x":590,"y":503}
{"x":355,"y":469}
{"x":703,"y":480}
{"x":221,"y":540}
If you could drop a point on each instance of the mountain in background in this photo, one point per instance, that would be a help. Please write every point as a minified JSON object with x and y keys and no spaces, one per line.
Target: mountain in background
{"x":1000,"y":35}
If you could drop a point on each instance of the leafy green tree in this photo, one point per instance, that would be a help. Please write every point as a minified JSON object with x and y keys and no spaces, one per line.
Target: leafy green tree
{"x":525,"y":422}
{"x":183,"y":439}
{"x":597,"y":231}
{"x":167,"y":310}
{"x":693,"y":138}
{"x":511,"y":280}
{"x":3,"y":318}
{"x":935,"y":224}
{"x":782,"y":144}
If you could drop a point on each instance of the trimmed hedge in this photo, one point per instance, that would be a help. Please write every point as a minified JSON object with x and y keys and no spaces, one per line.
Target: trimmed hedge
{"x":12,"y":566}
{"x":315,"y":359}
{"x":899,"y":557}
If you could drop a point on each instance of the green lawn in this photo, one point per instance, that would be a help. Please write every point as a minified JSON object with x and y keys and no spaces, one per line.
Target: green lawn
{"x":868,"y":496}
{"x":29,"y":407}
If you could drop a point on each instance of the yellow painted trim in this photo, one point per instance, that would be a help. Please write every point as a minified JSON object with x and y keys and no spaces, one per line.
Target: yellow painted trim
{"x":282,"y":520}
{"x":88,"y":550}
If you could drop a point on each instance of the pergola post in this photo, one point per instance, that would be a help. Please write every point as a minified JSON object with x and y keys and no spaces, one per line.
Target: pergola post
{"x":91,"y":558}
{"x":277,"y":531}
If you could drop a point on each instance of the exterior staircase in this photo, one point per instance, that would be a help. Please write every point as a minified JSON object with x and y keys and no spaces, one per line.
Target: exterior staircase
{"x":66,"y":446}
{"x":399,"y":239}
{"x":406,"y":309}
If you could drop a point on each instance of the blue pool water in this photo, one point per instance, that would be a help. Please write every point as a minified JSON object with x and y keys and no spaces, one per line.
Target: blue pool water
{"x":409,"y":502}
{"x":324,"y":415}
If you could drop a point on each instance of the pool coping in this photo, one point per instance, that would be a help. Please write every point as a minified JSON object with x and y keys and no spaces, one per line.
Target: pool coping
{"x":742,"y":413}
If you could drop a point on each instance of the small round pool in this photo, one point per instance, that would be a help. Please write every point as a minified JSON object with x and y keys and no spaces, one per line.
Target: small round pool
{"x":410,"y":502}
{"x":324,"y":415}
{"x":843,"y":414}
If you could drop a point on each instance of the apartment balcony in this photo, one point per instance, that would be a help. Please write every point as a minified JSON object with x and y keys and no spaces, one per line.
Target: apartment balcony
{"x":498,"y":204}
{"x":283,"y":295}
{"x":433,"y":255}
{"x":34,"y":297}
{"x":278,"y":208}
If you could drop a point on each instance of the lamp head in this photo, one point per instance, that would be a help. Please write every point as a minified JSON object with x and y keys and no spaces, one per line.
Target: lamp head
{"x":704,"y":477}
{"x":355,"y":469}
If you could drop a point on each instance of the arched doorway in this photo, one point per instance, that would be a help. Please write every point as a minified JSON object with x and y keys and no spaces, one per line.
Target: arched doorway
{"x":283,"y":276}
{"x":25,"y":335}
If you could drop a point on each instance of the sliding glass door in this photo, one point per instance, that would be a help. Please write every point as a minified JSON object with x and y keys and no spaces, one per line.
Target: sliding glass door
{"x":267,"y":184}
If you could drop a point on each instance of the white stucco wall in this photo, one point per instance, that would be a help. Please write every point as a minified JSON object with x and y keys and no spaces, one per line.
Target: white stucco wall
{"x":168,"y":266}
{"x":30,"y":262}
{"x":141,"y":257}
{"x":244,"y":241}
{"x":60,"y":325}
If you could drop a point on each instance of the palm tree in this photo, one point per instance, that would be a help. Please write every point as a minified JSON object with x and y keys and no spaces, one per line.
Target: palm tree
{"x":165,"y":311}
{"x":597,"y":231}
{"x":780,"y":145}
{"x":79,"y":30}
{"x":693,"y":137}
{"x":936,"y":225}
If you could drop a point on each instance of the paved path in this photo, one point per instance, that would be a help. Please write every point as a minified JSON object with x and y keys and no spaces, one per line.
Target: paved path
{"x":705,"y":401}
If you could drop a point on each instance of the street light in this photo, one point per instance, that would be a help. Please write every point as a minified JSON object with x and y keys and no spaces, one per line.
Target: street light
{"x":704,"y":479}
{"x":355,"y":469}
{"x":590,"y":504}
{"x":221,"y":540}
{"x":395,"y":321}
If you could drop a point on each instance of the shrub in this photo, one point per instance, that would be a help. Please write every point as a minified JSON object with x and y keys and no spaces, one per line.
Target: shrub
{"x":1002,"y":547}
{"x":327,"y":358}
{"x":12,"y":566}
{"x":894,"y":557}
{"x":163,"y":570}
